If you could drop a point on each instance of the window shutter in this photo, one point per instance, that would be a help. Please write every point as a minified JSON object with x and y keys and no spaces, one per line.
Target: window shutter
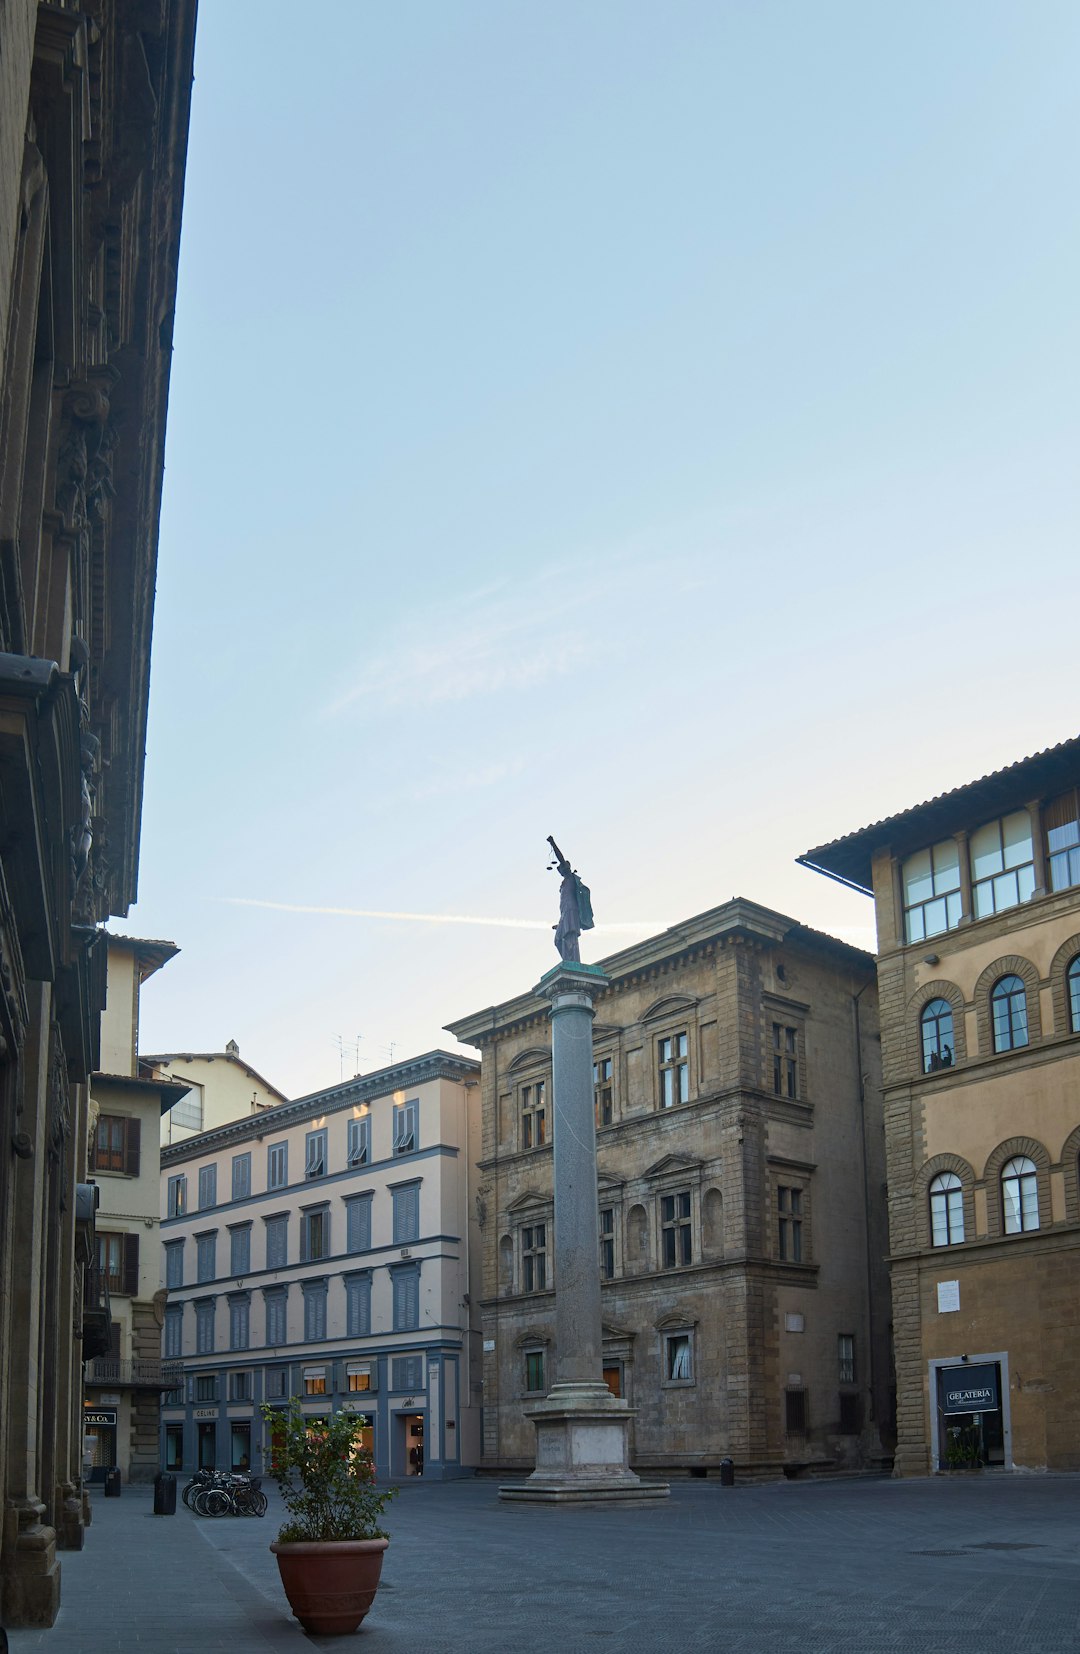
{"x":131,"y":1265}
{"x":406,"y":1215}
{"x":131,"y":1148}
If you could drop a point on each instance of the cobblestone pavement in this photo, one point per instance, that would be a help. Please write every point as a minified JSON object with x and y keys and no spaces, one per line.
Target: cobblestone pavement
{"x":966,"y":1565}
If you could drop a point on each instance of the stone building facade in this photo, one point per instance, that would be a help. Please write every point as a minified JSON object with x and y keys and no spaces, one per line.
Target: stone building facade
{"x":742,"y":1223}
{"x":977,"y":895}
{"x":326,"y":1249}
{"x":94,"y":105}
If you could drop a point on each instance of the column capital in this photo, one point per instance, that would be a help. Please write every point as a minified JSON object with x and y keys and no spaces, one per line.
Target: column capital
{"x":571,"y":978}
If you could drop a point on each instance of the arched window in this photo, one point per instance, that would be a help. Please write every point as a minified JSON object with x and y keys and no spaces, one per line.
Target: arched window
{"x":947,"y":1209}
{"x":1072,"y":986}
{"x":1019,"y":1195}
{"x":938,"y":1045}
{"x":1008,"y":1006}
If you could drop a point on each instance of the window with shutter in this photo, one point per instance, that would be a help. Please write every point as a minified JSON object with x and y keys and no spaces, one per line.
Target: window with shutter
{"x":277,"y":1166}
{"x":177,"y":1205}
{"x":277,"y":1242}
{"x":174,"y":1264}
{"x":239,"y":1324}
{"x":116,"y":1144}
{"x":315,"y":1311}
{"x":206,"y":1257}
{"x":240,"y":1249}
{"x":131,"y":1266}
{"x":406,"y":1214}
{"x":358,"y":1305}
{"x":405,"y":1126}
{"x":315,"y":1154}
{"x":315,"y":1235}
{"x":275,"y":1318}
{"x":174,"y":1332}
{"x":131,"y":1148}
{"x":204,"y":1328}
{"x":406,"y":1299}
{"x":241,"y":1176}
{"x":358,"y":1223}
{"x":359,"y":1151}
{"x":207,"y":1187}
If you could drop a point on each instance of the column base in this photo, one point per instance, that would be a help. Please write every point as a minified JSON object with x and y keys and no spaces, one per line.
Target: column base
{"x":582,"y":1444}
{"x":31,"y":1573}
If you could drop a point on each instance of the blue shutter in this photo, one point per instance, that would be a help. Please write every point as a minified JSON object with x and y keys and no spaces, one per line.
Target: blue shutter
{"x":241,"y":1176}
{"x":360,"y":1141}
{"x":174,"y":1332}
{"x":207,"y":1187}
{"x":276,"y":1326}
{"x":174,"y":1264}
{"x":358,"y":1295}
{"x":406,"y":1300}
{"x":238,"y":1325}
{"x":406,"y":1214}
{"x":240,"y":1250}
{"x":358,"y":1238}
{"x":277,"y":1242}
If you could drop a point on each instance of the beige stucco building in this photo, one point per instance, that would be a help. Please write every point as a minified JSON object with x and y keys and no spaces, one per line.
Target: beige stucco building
{"x":977,"y":894}
{"x":741,"y":1164}
{"x":122,"y":1413}
{"x":221,"y":1087}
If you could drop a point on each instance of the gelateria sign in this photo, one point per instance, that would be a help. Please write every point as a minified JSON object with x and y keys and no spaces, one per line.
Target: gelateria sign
{"x":970,"y":1389}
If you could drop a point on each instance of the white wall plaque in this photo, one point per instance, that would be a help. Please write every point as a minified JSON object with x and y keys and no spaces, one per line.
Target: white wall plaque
{"x":948,"y":1296}
{"x":489,"y":1345}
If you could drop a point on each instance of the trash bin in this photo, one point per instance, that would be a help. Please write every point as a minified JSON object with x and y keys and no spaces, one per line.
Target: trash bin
{"x":727,"y":1472}
{"x":112,"y":1484}
{"x":164,"y":1494}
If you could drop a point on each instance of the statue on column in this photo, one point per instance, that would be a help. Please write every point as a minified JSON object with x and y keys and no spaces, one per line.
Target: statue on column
{"x":575,"y":907}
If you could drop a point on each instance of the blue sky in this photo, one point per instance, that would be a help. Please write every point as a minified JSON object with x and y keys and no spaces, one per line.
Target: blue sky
{"x":655,"y":426}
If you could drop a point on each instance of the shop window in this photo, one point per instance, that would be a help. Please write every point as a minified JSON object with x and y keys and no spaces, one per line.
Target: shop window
{"x":603,"y":1091}
{"x":795,"y":1412}
{"x":315,"y":1154}
{"x":1008,"y":1009}
{"x":177,"y":1196}
{"x":174,"y":1447}
{"x":207,"y":1187}
{"x":359,"y":1146}
{"x":534,"y":1372}
{"x":207,"y":1445}
{"x":789,"y":1223}
{"x":673,"y":1068}
{"x":938,"y":1042}
{"x":1002,"y":864}
{"x":678,"y":1357}
{"x":1061,"y":821}
{"x":240,"y":1446}
{"x":314,"y":1381}
{"x":931,"y":884}
{"x":116,"y":1145}
{"x":675,"y":1232}
{"x":1019,"y":1195}
{"x":406,"y":1127}
{"x":947,"y":1210}
{"x":534,"y":1115}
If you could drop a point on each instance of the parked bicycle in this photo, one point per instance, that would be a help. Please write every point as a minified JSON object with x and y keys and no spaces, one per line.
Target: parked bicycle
{"x":224,"y":1493}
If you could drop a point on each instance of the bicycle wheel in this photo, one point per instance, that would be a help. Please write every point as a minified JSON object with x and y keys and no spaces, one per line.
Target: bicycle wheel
{"x":189,"y":1493}
{"x":259,"y":1503}
{"x":217,"y":1503}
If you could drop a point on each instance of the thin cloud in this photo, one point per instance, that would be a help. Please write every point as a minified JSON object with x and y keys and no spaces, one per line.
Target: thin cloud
{"x":624,"y":927}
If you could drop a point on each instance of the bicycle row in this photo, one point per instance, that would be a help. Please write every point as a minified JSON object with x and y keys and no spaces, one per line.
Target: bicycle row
{"x":224,"y":1493}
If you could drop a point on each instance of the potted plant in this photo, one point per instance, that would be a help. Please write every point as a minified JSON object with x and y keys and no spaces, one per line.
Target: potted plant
{"x":330,"y":1551}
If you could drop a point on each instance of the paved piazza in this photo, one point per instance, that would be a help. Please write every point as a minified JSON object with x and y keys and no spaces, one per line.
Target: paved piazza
{"x":962,"y":1565}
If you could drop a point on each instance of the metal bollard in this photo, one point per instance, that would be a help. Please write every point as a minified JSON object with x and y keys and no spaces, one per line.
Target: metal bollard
{"x":727,"y":1472}
{"x":112,"y":1484}
{"x":164,"y":1494}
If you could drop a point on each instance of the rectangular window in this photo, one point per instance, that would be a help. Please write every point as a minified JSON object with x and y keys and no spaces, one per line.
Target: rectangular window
{"x":607,"y":1242}
{"x":206,"y":1387}
{"x":533,"y":1115}
{"x":603,"y":1091}
{"x":174,"y":1447}
{"x":795,"y":1412}
{"x":407,"y":1372}
{"x":789,"y":1222}
{"x":406,"y":1283}
{"x":239,"y":1324}
{"x":204,"y":1328}
{"x":406,"y":1138}
{"x":118,"y":1262}
{"x":846,"y":1357}
{"x":314,"y":1310}
{"x":534,"y":1371}
{"x":174,"y":1332}
{"x":315,"y":1154}
{"x":785,"y":1078}
{"x":674,"y":1069}
{"x":314,"y":1381}
{"x":240,"y":1386}
{"x":358,"y":1223}
{"x":275,"y":1318}
{"x":116,"y":1144}
{"x":534,"y":1258}
{"x":277,"y":1382}
{"x":359,"y":1151}
{"x":240,"y":1445}
{"x":675,"y":1229}
{"x":1002,"y":864}
{"x":315,"y":1235}
{"x":358,"y":1305}
{"x":241,"y":1176}
{"x":931,"y":881}
{"x":206,"y":1257}
{"x":406,"y":1214}
{"x":207,"y":1187}
{"x":678,"y":1358}
{"x":177,"y":1202}
{"x":358,"y":1376}
{"x":277,"y":1166}
{"x":240,"y":1250}
{"x":174,"y":1264}
{"x":1061,"y":823}
{"x":277,"y":1241}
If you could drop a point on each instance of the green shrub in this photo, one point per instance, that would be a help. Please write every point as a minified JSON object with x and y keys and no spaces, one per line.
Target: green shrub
{"x":326,"y":1478}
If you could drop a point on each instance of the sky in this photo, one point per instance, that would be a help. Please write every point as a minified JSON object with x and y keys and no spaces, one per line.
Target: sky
{"x":651,"y":425}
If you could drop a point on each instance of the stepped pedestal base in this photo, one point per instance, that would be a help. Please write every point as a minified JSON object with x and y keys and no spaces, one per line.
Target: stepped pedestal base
{"x":582,"y":1441}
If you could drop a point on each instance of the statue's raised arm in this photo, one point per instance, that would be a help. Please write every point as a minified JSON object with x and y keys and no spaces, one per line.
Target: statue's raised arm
{"x":575,"y":907}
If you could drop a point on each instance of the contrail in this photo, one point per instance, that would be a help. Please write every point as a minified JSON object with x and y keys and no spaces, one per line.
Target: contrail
{"x":427,"y":918}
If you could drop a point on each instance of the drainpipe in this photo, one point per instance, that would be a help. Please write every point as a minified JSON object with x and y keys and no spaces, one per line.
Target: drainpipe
{"x":861,"y":1094}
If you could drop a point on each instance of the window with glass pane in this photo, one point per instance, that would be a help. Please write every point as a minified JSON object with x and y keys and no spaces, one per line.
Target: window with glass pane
{"x":789,"y":1205}
{"x":845,"y":1350}
{"x":533,"y":1115}
{"x":206,"y":1256}
{"x":534,"y":1257}
{"x":607,"y":1242}
{"x":315,"y":1154}
{"x":785,"y":1060}
{"x":534,"y":1370}
{"x":947,"y":1210}
{"x":359,"y":1149}
{"x":1072,"y":985}
{"x":277,"y":1166}
{"x":240,"y":1386}
{"x":207,"y":1187}
{"x":1008,"y":1006}
{"x":358,"y":1375}
{"x":677,"y":1363}
{"x":931,"y":880}
{"x":938,"y":1045}
{"x":1061,"y":822}
{"x":314,"y":1381}
{"x":177,"y":1200}
{"x":674,"y":1069}
{"x":1002,"y":864}
{"x":240,"y":1250}
{"x":406,"y":1117}
{"x":315,"y":1235}
{"x":675,"y":1229}
{"x":602,"y":1090}
{"x":1020,"y":1195}
{"x":241,"y":1176}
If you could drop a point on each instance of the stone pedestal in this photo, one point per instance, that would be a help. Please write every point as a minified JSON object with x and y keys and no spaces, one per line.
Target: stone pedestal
{"x":582,"y":1430}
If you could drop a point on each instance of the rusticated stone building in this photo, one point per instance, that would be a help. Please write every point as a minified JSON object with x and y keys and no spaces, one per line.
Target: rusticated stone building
{"x":977,"y":895}
{"x":742,"y":1218}
{"x":93,"y":125}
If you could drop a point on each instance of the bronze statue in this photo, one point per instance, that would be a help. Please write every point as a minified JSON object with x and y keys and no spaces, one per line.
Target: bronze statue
{"x":575,"y":907}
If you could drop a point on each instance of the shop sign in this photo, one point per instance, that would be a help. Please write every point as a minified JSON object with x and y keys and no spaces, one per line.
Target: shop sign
{"x":205,"y":1413}
{"x":102,"y":1417}
{"x":970,"y":1389}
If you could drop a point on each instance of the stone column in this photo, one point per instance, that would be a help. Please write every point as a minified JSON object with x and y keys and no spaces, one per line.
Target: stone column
{"x":582,"y":1430}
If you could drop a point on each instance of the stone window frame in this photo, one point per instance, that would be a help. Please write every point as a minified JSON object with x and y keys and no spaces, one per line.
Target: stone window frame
{"x":606,"y":1053}
{"x":1033,"y":1150}
{"x":529,"y":1068}
{"x":528,"y":1210}
{"x":791,"y":1174}
{"x":533,"y":1341}
{"x":1070,"y":1170}
{"x":920,"y":1190}
{"x":667,"y":1018}
{"x":1059,"y":986}
{"x":609,"y":1197}
{"x":669,"y":1329}
{"x":1010,"y":964}
{"x":939,"y":988}
{"x":786,"y":1013}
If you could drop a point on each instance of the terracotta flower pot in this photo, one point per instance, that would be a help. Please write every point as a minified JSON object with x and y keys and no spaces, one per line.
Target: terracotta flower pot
{"x":330,"y":1586}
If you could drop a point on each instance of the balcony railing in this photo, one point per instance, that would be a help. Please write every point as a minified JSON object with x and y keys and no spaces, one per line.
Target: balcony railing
{"x":142,"y":1374}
